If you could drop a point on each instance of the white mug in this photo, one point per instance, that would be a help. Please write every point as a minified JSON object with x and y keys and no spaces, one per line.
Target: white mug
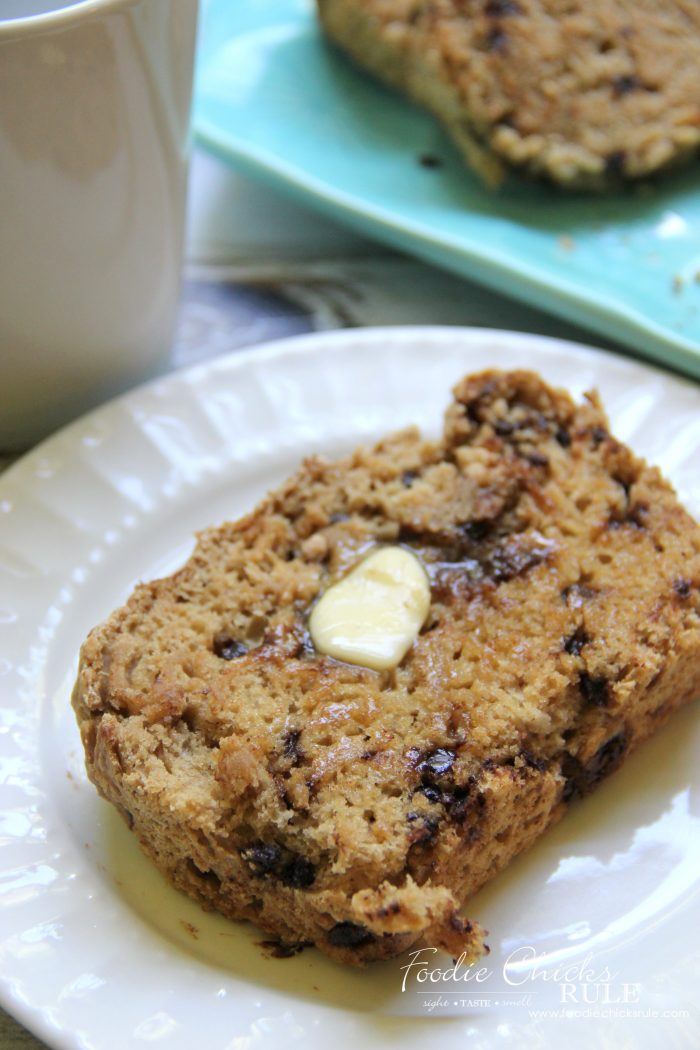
{"x":94,"y":130}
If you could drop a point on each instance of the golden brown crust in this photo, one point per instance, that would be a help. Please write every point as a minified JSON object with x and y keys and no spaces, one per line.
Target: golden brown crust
{"x":584,"y":94}
{"x":355,"y":809}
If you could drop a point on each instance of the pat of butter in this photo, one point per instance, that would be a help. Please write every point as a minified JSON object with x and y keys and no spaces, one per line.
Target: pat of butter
{"x":373,"y":615}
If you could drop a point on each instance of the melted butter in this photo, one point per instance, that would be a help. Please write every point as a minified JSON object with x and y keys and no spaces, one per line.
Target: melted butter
{"x":374,"y":614}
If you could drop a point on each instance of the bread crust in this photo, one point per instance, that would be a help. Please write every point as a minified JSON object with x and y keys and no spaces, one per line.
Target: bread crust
{"x":358,"y":810}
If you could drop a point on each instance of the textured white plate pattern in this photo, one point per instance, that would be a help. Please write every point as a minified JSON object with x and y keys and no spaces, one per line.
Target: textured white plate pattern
{"x":95,"y":950}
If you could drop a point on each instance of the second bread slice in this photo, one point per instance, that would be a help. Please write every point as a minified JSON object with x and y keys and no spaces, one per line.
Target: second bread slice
{"x":585,"y":94}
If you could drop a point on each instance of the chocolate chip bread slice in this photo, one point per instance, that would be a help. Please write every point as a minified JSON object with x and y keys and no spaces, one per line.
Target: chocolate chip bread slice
{"x":358,"y":809}
{"x":584,"y":92}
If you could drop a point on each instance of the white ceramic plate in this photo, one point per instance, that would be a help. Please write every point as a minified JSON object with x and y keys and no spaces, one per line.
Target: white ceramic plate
{"x":96,"y":951}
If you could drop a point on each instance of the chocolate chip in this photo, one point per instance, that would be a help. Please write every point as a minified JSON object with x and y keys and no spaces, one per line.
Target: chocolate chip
{"x":228,"y":648}
{"x":426,"y":832}
{"x":563,"y":437}
{"x":598,"y":436}
{"x":537,"y":459}
{"x":623,"y":85}
{"x":436,"y":764}
{"x":497,"y":40}
{"x":512,"y":559}
{"x":428,"y":160}
{"x":635,"y":516}
{"x":459,"y":924}
{"x":335,"y":519}
{"x":408,"y":477}
{"x":476,"y":531}
{"x":503,"y":427}
{"x":471,"y":410}
{"x":457,"y":800}
{"x":268,"y":860}
{"x":290,"y":745}
{"x":580,"y":779}
{"x":532,"y":761}
{"x":502,"y":8}
{"x":349,"y":935}
{"x":299,"y":873}
{"x":575,"y":642}
{"x":262,"y":858}
{"x":462,"y":802}
{"x":682,"y":587}
{"x":574,"y":780}
{"x":606,"y":759}
{"x":291,"y":741}
{"x":615,"y":163}
{"x":595,"y":689}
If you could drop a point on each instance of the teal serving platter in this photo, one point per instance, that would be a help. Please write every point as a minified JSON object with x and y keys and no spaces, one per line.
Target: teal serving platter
{"x":275,"y":99}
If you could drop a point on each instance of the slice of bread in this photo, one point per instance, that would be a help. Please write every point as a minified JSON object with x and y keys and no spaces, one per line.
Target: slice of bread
{"x":355,"y":809}
{"x":585,"y":93}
